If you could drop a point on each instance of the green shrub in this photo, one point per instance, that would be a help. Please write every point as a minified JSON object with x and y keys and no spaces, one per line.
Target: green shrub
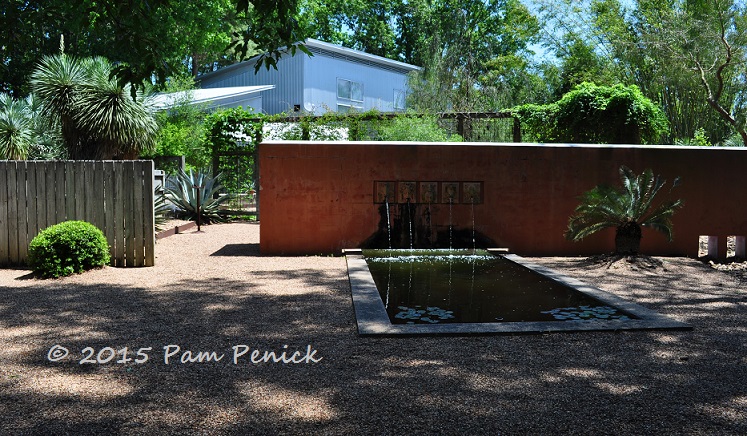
{"x":67,"y":248}
{"x":597,"y":115}
{"x":424,"y":128}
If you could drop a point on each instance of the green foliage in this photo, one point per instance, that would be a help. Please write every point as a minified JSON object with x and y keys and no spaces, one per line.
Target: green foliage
{"x":473,"y":53}
{"x":627,"y":208}
{"x":161,"y":211}
{"x":67,"y":248}
{"x":733,"y":141}
{"x":25,"y":133}
{"x":538,"y":122}
{"x":699,"y":139}
{"x":420,"y":128}
{"x":181,"y":128}
{"x":149,"y":39}
{"x":184,"y":196}
{"x":596,"y":114}
{"x":15,"y":129}
{"x":98,"y":117}
{"x":232,"y":136}
{"x":683,"y":55}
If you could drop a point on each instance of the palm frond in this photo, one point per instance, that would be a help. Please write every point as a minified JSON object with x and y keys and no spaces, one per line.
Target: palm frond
{"x":603,"y":206}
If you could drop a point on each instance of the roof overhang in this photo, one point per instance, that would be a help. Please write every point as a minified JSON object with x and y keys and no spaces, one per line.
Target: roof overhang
{"x":211,"y":96}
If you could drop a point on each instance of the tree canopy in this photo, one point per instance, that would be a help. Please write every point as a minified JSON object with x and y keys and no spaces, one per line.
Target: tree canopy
{"x":687,"y":56}
{"x":145,"y":39}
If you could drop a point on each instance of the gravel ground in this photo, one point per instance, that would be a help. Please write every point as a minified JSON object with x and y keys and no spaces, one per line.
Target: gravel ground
{"x":212,"y":291}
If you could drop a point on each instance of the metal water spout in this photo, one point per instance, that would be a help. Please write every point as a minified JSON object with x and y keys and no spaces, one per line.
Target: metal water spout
{"x":388,"y":222}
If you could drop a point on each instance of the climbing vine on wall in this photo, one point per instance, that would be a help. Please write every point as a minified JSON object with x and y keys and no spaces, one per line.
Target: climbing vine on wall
{"x":233,"y":135}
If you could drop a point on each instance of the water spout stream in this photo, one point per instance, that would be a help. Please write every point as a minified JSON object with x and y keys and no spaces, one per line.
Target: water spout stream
{"x":409,"y":220}
{"x":451,"y":224}
{"x":474,"y":246}
{"x":388,"y":222}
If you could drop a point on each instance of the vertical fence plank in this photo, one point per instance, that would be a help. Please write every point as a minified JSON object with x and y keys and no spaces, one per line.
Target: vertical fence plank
{"x":148,"y":205}
{"x":70,"y":190}
{"x":4,"y":219}
{"x":22,"y":208}
{"x":41,"y":197}
{"x":130,"y":217}
{"x":13,"y":218}
{"x":32,"y":213}
{"x":119,"y":214}
{"x":98,"y":195}
{"x":109,"y":208}
{"x":79,"y":191}
{"x":138,"y":197}
{"x":90,"y":197}
{"x":60,"y":212}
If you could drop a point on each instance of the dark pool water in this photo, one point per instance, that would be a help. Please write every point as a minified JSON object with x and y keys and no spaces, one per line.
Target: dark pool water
{"x":462,"y":286}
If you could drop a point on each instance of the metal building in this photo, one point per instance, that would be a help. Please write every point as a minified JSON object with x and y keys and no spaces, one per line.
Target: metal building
{"x":333,"y":79}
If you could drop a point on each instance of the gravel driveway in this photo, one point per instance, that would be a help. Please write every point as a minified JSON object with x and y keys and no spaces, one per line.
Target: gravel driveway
{"x":211,"y":294}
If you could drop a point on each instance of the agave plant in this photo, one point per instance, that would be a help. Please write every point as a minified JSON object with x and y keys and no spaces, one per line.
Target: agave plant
{"x":184,"y":196}
{"x":628,"y":209}
{"x":161,"y":210}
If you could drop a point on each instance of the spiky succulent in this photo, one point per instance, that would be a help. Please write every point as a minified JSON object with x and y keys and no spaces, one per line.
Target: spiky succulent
{"x":184,"y":196}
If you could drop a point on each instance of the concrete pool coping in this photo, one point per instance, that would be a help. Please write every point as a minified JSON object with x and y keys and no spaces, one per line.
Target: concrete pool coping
{"x":372,"y":319}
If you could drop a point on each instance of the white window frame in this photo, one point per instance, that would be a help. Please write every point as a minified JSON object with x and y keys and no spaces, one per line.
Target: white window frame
{"x":348,"y":107}
{"x":350,"y":97}
{"x":399,"y":103}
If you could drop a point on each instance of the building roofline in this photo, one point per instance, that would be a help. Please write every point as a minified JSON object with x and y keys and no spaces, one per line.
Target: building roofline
{"x":315,"y":43}
{"x":214,"y":95}
{"x":323,"y":46}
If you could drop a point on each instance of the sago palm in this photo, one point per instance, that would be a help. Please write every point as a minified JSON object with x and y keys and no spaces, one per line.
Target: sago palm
{"x":628,"y":209}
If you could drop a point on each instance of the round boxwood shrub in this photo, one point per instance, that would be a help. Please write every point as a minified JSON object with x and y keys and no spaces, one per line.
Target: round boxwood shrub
{"x":67,"y":248}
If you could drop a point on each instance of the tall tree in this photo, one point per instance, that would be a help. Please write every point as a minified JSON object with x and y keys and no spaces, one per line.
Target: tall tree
{"x":472,"y":47}
{"x":145,"y":38}
{"x":683,"y":54}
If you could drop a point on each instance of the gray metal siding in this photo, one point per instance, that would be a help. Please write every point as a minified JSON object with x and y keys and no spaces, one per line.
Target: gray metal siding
{"x":312,"y":83}
{"x":288,"y":81}
{"x":379,"y":84}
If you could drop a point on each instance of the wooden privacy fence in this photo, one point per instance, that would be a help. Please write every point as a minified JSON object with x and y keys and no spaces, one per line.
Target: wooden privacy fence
{"x":115,"y":196}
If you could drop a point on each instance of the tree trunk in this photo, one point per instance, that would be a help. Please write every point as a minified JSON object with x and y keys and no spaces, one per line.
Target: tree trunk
{"x":628,"y":238}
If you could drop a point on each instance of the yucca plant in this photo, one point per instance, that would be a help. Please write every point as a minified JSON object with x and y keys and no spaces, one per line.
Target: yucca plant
{"x":628,"y":209}
{"x":184,"y":196}
{"x":25,"y":133}
{"x":16,"y":128}
{"x":99,"y":118}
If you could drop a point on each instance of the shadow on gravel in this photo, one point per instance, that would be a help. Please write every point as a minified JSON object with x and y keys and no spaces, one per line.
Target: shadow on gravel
{"x":238,"y":250}
{"x":632,"y":382}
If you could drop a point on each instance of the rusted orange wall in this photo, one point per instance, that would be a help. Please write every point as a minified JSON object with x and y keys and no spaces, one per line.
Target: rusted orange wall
{"x":318,"y":197}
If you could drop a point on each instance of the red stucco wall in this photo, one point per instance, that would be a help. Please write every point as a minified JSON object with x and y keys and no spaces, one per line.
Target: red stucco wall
{"x":318,"y":197}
